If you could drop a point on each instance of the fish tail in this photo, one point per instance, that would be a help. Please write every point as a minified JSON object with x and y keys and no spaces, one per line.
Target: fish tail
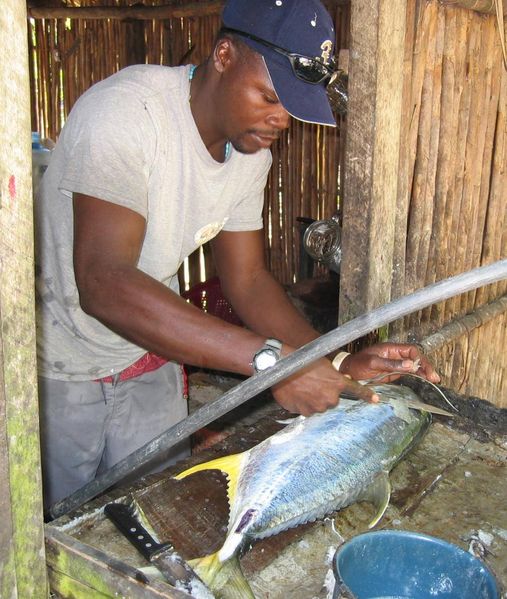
{"x":230,"y":465}
{"x":225,"y":579}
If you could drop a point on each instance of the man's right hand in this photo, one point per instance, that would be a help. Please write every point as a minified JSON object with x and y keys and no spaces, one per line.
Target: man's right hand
{"x":317,"y":388}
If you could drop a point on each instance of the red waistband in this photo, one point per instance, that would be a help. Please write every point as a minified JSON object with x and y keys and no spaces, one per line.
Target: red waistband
{"x":146,"y":363}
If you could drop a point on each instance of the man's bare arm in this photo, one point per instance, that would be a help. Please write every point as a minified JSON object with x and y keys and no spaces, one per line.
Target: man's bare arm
{"x":107,"y":244}
{"x":257,"y":297}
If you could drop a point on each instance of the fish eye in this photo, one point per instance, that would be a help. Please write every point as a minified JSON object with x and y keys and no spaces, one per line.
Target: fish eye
{"x":247,"y":517}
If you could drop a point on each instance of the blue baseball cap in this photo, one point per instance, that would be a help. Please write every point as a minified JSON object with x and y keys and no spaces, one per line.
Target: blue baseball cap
{"x":301,"y":27}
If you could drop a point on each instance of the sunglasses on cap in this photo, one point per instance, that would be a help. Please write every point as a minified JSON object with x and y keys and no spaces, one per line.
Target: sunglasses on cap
{"x":311,"y":70}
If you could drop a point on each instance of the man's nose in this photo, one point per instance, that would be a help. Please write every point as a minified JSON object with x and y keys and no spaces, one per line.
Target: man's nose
{"x":280,"y":118}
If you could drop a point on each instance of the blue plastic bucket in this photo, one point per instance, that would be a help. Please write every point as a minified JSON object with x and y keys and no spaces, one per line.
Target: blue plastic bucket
{"x":393,"y":564}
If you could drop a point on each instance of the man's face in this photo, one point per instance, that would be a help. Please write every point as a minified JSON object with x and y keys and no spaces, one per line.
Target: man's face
{"x":251,"y":113}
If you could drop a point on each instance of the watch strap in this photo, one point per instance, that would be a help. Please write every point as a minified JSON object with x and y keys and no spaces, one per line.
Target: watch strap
{"x":275,"y":344}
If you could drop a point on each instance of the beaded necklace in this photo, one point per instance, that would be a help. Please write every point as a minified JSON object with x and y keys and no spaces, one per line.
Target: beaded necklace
{"x":228,"y":145}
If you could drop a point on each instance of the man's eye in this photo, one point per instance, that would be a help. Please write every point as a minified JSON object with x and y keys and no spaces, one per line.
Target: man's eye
{"x":271,"y":99}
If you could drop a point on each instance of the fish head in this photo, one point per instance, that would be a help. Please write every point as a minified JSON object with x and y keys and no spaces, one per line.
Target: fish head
{"x":238,"y":531}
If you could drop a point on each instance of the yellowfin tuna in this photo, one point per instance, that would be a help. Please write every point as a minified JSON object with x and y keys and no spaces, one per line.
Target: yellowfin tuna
{"x":312,"y":467}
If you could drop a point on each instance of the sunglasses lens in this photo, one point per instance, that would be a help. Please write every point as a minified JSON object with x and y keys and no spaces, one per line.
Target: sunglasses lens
{"x":337,"y":92}
{"x":310,"y":70}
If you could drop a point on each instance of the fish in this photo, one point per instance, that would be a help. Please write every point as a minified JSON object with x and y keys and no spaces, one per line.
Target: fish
{"x":312,"y":467}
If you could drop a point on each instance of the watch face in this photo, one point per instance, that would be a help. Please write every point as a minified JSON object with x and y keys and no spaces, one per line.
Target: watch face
{"x":265,"y":359}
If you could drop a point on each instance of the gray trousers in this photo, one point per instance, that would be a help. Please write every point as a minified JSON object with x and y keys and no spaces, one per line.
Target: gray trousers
{"x":86,"y":427}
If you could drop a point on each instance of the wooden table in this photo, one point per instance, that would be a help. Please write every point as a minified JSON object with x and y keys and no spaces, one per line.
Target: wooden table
{"x":453,"y":485}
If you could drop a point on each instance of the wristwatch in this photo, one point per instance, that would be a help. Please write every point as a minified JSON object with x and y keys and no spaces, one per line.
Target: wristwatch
{"x":268,"y":355}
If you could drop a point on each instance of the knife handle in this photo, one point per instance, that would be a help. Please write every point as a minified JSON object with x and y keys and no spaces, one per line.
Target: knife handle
{"x":123,"y":517}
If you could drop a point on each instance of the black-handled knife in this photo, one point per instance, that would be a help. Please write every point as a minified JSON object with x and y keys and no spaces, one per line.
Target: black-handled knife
{"x":162,"y":555}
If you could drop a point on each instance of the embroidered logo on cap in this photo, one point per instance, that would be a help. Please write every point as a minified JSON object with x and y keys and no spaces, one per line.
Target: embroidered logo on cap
{"x":327,"y":48}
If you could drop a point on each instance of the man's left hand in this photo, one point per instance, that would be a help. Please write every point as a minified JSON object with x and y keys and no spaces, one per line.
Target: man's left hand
{"x":384,"y":358}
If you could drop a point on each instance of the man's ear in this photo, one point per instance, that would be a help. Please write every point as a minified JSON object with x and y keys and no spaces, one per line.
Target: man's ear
{"x":224,"y":54}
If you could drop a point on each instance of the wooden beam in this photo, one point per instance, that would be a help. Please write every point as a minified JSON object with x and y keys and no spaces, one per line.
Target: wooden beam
{"x":82,"y":572}
{"x":464,"y":325}
{"x":22,"y":563}
{"x":137,"y":11}
{"x":482,"y":6}
{"x":371,"y":154}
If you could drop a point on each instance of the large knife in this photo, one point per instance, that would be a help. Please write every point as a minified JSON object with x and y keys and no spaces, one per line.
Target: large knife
{"x":162,"y":555}
{"x":392,"y":393}
{"x":399,"y":393}
{"x":410,"y":402}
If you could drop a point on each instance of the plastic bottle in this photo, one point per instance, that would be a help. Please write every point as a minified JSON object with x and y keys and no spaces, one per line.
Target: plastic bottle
{"x":40,"y":161}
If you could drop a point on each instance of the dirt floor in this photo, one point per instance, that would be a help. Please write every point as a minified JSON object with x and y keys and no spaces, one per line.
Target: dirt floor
{"x":453,"y":485}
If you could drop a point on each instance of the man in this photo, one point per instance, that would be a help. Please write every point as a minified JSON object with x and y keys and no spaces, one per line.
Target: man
{"x":152,"y":163}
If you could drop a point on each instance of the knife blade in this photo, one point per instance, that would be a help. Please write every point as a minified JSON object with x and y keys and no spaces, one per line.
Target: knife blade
{"x":162,"y":555}
{"x":399,"y":393}
{"x":403,"y":395}
{"x":392,"y":393}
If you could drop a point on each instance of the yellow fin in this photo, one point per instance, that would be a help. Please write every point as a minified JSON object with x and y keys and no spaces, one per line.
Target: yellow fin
{"x":225,"y":579}
{"x":378,"y":493}
{"x":230,"y":465}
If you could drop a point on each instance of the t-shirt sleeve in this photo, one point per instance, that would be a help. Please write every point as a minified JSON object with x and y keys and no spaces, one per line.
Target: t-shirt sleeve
{"x":109,"y":143}
{"x":246,"y":214}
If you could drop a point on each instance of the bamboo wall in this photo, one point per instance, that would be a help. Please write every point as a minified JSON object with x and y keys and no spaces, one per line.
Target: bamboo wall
{"x":68,"y":55}
{"x":452,"y":201}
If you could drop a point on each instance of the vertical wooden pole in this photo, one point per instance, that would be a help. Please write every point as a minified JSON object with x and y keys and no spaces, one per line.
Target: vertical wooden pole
{"x":372,"y":154}
{"x":22,"y":561}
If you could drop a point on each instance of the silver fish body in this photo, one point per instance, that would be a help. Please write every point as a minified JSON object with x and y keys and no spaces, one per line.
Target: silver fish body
{"x":317,"y":465}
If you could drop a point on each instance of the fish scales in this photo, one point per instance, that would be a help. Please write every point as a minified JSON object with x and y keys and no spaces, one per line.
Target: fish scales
{"x":310,"y":468}
{"x":315,"y":465}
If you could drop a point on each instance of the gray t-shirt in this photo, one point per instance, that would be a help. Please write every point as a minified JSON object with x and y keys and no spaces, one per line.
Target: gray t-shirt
{"x":131,"y":140}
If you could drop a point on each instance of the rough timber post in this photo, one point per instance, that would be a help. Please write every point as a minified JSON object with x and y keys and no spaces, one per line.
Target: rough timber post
{"x":22,"y":562}
{"x":371,"y":154}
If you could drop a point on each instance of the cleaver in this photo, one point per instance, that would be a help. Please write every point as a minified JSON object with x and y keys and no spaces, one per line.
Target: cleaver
{"x":162,"y":555}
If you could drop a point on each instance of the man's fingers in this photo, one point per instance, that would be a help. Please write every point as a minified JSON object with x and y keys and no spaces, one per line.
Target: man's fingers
{"x":428,"y":371}
{"x":360,"y":391}
{"x":420,"y":365}
{"x":390,"y":365}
